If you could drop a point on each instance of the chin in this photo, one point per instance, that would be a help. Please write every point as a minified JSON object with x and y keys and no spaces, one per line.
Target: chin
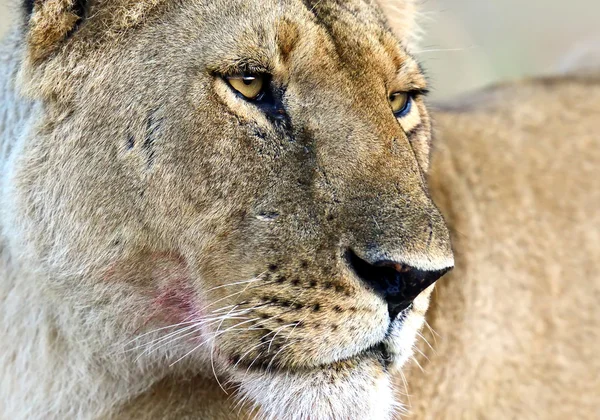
{"x":359,"y":388}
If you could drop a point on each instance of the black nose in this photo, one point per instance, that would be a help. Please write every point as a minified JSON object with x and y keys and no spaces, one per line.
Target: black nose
{"x":397,"y":283}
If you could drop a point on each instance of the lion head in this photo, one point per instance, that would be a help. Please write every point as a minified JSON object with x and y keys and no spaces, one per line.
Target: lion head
{"x":236,"y":186}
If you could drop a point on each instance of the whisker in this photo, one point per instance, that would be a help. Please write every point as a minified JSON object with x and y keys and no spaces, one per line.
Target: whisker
{"x":166,"y":343}
{"x":233,"y":294}
{"x":278,"y":331}
{"x":252,"y":280}
{"x":160,"y":339}
{"x":418,"y":364}
{"x":177,"y":335}
{"x":297,"y":323}
{"x":433,"y":332}
{"x":421,"y":353}
{"x":212,"y":351}
{"x":260,"y":305}
{"x":406,"y":393}
{"x":187,"y":321}
{"x":248,"y":352}
{"x":223,"y":308}
{"x":158,"y":329}
{"x":241,"y":401}
{"x":212,"y":338}
{"x":194,"y":323}
{"x":426,"y":342}
{"x":155,"y":346}
{"x":276,"y":354}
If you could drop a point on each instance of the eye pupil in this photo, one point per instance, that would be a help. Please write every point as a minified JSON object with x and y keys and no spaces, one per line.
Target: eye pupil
{"x":248,"y":80}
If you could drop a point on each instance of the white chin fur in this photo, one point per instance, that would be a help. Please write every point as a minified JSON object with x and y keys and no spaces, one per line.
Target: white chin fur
{"x":364,"y":392}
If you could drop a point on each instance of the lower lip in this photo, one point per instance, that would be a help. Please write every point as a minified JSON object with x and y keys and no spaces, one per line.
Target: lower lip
{"x":380,"y":353}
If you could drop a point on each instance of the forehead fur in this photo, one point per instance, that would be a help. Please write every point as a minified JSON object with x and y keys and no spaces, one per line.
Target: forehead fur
{"x":50,"y":21}
{"x":261,"y":35}
{"x":362,"y":38}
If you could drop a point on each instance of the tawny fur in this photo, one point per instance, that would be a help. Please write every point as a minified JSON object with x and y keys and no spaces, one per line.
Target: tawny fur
{"x":517,"y":173}
{"x":134,"y":193}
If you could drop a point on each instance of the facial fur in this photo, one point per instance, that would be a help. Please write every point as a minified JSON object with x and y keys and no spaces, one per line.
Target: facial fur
{"x":196,"y":230}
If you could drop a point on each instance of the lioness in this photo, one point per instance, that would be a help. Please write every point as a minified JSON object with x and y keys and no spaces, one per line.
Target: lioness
{"x":219,"y":210}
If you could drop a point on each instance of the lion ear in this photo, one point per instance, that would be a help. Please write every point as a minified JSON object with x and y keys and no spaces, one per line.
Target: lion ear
{"x":51,"y":22}
{"x":402,"y":16}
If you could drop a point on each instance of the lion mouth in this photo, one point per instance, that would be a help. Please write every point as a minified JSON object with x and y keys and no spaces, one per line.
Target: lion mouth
{"x":379,"y":352}
{"x":384,"y":352}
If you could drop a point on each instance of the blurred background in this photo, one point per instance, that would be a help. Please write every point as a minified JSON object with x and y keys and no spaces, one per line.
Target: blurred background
{"x":467,"y":44}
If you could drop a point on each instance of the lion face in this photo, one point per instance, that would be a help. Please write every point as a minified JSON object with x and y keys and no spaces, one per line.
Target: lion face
{"x":287,"y":236}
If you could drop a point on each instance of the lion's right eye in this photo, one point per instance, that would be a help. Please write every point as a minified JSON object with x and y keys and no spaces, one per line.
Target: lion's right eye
{"x":250,"y":86}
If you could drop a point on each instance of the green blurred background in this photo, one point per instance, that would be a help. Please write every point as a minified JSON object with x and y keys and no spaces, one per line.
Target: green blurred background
{"x":471,"y":43}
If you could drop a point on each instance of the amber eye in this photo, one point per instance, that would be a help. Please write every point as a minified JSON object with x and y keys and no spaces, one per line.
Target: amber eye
{"x":401,"y":103}
{"x":249,"y":85}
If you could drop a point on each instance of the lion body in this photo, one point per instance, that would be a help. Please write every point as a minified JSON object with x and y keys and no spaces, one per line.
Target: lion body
{"x":517,"y":320}
{"x":517,"y":173}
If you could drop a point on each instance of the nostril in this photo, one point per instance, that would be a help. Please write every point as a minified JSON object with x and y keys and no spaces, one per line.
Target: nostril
{"x":398,"y":284}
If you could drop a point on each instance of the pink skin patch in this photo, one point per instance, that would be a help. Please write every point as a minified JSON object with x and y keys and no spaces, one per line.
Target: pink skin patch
{"x":175,"y":300}
{"x":165,"y":279}
{"x":176,"y":303}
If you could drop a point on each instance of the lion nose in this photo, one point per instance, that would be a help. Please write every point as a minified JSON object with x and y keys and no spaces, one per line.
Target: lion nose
{"x":398,"y":284}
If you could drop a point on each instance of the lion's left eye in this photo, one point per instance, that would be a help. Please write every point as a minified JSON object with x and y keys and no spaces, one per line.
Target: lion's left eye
{"x":250,"y":86}
{"x":401,"y":103}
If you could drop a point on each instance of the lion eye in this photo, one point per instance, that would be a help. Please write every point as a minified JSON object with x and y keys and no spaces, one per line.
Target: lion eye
{"x":250,"y":86}
{"x":401,"y":103}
